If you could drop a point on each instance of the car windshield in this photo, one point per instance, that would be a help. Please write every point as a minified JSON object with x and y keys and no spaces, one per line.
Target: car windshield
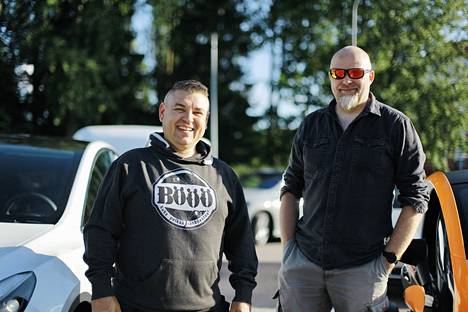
{"x":461,"y":195}
{"x":260,"y":180}
{"x":35,"y":183}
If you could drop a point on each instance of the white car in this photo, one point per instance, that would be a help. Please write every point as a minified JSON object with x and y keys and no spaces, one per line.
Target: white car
{"x":262,"y":190}
{"x":121,"y":137}
{"x":47,"y":188}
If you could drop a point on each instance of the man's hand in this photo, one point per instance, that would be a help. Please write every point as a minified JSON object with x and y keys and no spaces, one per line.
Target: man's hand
{"x":106,"y":304}
{"x":237,"y":306}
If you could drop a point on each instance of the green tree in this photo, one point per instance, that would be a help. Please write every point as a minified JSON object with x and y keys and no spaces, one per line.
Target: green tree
{"x":182,"y":36}
{"x":82,"y":68}
{"x":418,"y":50}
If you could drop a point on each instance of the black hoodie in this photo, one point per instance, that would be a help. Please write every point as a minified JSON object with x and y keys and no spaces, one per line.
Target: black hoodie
{"x":165,"y":222}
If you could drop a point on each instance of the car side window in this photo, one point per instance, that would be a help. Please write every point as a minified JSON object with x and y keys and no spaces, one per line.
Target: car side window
{"x":103,"y":161}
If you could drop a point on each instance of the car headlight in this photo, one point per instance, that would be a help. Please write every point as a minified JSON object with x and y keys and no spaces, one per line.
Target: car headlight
{"x":15,"y":291}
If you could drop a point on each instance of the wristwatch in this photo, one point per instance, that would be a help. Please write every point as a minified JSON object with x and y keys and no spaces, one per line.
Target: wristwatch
{"x":390,"y":256}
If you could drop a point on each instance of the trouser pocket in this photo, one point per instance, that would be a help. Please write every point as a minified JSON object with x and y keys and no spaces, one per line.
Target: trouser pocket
{"x":276,"y":297}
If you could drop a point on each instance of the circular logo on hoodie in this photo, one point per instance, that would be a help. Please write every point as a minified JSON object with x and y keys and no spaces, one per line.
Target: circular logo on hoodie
{"x":184,"y":199}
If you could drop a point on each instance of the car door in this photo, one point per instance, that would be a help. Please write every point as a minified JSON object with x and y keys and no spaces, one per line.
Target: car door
{"x":450,"y":240}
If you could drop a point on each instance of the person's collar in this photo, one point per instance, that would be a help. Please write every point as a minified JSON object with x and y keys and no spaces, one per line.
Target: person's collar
{"x":202,"y":149}
{"x":372,"y":106}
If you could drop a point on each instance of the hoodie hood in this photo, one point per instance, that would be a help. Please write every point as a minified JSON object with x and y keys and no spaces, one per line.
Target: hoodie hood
{"x":202,"y":156}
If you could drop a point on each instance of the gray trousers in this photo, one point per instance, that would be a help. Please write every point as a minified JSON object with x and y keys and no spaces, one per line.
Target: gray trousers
{"x":306,"y":287}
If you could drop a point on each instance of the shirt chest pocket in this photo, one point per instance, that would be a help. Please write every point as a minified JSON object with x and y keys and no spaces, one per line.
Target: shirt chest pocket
{"x":317,"y":157}
{"x":368,"y":154}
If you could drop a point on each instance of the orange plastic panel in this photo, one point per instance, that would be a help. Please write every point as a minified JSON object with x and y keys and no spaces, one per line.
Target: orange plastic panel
{"x":455,"y":239}
{"x":414,"y":298}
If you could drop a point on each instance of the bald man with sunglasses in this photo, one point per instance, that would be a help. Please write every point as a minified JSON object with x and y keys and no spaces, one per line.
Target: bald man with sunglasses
{"x":345,"y":162}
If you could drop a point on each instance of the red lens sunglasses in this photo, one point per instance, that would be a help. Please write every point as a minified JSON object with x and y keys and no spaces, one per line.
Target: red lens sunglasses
{"x":353,"y":73}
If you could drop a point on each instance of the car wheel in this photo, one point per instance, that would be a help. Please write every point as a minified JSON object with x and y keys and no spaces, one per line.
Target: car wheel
{"x":261,"y":228}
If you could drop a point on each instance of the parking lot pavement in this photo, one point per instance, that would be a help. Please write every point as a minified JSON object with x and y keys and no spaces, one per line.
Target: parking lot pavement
{"x":269,"y":258}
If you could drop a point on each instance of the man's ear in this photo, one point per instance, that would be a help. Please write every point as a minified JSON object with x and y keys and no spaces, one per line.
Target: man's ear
{"x":207,"y":118}
{"x":372,"y":76}
{"x":162,"y":110}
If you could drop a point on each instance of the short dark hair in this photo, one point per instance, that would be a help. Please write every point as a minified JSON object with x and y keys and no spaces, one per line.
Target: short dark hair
{"x":191,"y":86}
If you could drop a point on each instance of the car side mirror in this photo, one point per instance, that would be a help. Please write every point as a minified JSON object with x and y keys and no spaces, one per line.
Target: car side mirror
{"x":416,"y":253}
{"x":414,"y":298}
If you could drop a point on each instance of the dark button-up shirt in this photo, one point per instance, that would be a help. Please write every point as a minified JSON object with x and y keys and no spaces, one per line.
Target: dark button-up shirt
{"x":347,"y":179}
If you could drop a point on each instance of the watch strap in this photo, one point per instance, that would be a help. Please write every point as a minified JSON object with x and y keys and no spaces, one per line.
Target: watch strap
{"x":390,"y":256}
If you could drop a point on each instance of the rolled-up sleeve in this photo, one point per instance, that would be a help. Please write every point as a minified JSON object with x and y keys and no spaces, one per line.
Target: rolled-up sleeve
{"x":293,"y":177}
{"x":409,"y":174}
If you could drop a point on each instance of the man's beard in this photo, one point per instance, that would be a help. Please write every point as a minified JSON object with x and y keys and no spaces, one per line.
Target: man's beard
{"x":348,"y":102}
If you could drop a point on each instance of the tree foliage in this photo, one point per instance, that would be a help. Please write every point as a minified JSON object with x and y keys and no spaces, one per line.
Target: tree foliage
{"x":182,"y":35}
{"x":418,"y":50}
{"x":66,"y":64}
{"x":69,"y":63}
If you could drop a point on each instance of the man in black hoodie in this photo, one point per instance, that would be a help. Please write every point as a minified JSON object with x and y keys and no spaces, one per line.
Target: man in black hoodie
{"x":163,"y":217}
